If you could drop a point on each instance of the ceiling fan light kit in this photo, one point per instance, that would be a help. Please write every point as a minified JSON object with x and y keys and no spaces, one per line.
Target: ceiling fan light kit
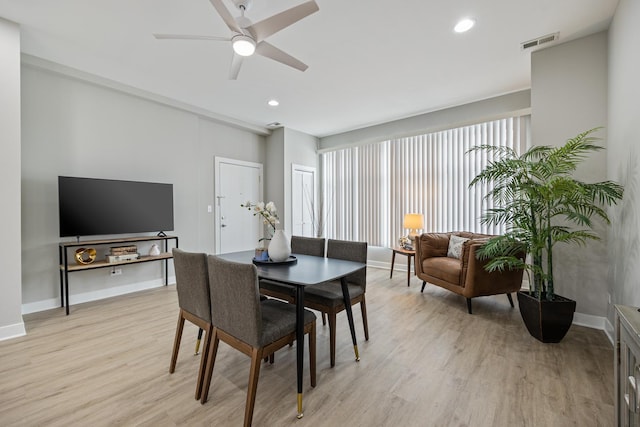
{"x":250,"y":38}
{"x":243,"y":45}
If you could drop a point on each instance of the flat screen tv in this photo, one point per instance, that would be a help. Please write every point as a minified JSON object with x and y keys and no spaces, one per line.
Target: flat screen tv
{"x":91,"y":207}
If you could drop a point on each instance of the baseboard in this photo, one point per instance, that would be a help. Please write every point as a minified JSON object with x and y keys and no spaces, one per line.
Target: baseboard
{"x":609,"y":330}
{"x":12,"y":331}
{"x":383,"y":265}
{"x":588,"y":320}
{"x":49,"y":304}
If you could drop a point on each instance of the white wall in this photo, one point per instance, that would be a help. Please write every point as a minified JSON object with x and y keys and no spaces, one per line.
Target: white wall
{"x":623,"y":161}
{"x":10,"y":251}
{"x":74,"y":127}
{"x":569,"y":96}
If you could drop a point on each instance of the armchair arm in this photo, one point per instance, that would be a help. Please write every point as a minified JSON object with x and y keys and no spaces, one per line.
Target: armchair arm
{"x":430,"y":245}
{"x":477,"y":281}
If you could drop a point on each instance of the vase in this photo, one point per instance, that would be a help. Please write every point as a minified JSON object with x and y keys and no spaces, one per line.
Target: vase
{"x":279,"y":246}
{"x":546,"y":321}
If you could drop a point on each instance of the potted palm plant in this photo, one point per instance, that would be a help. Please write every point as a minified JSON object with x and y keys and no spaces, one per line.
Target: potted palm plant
{"x":542,"y":204}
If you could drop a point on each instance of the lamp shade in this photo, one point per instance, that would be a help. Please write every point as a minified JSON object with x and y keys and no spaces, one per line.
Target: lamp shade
{"x":414,"y":221}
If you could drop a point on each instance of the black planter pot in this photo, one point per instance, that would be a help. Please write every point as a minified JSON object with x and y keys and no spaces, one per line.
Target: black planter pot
{"x":547,"y":321}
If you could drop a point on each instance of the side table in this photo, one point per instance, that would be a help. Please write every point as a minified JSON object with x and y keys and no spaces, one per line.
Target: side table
{"x":409,"y":253}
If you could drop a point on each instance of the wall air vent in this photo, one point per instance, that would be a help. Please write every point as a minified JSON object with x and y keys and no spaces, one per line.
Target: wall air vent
{"x":535,"y":43}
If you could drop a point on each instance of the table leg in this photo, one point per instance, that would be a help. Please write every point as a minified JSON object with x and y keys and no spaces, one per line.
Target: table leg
{"x":347,"y":307}
{"x":393,"y":260}
{"x":408,"y":270}
{"x":66,"y":281}
{"x":60,"y":249}
{"x":299,"y":343}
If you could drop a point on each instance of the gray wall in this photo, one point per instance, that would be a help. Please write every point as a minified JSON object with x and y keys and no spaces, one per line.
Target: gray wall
{"x":76,"y":128}
{"x":300,"y":149}
{"x":284,"y":148}
{"x":474,"y":112}
{"x":10,"y":251}
{"x":569,"y":96}
{"x":623,"y":159}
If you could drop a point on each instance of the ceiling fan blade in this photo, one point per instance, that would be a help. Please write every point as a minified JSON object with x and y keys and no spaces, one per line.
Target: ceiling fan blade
{"x":270,"y":51}
{"x":236,"y":62}
{"x":226,"y":16}
{"x":268,"y":26}
{"x":189,"y":37}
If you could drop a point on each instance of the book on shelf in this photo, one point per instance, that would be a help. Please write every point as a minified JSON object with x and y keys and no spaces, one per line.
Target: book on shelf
{"x":123,"y":257}
{"x":123,"y":250}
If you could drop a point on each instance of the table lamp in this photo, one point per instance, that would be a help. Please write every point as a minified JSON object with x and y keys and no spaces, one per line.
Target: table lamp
{"x":414,"y":222}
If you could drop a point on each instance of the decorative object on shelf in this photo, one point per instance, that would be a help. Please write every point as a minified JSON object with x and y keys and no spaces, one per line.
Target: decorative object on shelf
{"x":85,"y":255}
{"x":155,"y":250}
{"x":269,"y":216}
{"x":280,"y":246}
{"x":541,"y":204}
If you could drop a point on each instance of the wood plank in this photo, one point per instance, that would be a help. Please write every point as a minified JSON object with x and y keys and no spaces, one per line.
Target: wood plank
{"x":427,"y":363}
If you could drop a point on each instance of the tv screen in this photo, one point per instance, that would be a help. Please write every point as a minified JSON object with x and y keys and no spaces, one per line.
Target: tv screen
{"x":91,"y":206}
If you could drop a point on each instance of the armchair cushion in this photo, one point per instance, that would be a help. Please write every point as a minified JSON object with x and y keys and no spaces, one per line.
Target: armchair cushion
{"x":444,"y":268}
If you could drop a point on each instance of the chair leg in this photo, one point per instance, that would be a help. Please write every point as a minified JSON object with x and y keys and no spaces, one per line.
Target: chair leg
{"x":510,"y":300}
{"x":256,"y":357}
{"x":197,"y":350}
{"x":203,"y":361}
{"x":324,"y":319}
{"x":469,"y":305}
{"x":332,"y":337}
{"x":211,"y":360}
{"x":424,"y":283}
{"x":312,"y":353}
{"x":365,"y":323}
{"x":176,"y":343}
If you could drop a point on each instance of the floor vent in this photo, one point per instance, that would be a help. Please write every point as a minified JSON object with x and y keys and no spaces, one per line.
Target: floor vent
{"x":539,"y":41}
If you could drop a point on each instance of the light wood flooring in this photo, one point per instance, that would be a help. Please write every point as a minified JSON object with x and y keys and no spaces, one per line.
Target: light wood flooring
{"x":427,"y":363}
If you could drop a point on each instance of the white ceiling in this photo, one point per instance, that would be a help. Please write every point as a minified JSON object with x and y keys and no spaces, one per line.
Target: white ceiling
{"x":370,"y":61}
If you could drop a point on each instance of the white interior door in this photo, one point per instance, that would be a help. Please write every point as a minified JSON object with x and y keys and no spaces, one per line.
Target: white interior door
{"x":303,"y":200}
{"x":236,"y":183}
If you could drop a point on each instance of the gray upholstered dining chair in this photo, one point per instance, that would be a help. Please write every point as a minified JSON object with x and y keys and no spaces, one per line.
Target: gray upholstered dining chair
{"x":192,"y":284}
{"x":299,"y":245}
{"x":327,"y":297}
{"x":254,"y":327}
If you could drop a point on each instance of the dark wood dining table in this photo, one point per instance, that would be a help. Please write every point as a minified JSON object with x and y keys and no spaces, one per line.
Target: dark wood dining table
{"x":306,"y":271}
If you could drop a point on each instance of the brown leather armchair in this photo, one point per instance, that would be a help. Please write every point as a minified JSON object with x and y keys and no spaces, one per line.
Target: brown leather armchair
{"x":465,"y":276}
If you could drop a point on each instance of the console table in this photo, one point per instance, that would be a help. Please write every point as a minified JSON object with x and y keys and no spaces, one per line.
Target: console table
{"x":627,"y":365}
{"x":66,"y":268}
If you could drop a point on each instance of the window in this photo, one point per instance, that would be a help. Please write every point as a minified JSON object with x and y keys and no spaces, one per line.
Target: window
{"x":368,"y":189}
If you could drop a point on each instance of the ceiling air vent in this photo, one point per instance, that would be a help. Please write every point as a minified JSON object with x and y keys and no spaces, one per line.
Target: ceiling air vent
{"x":539,"y":41}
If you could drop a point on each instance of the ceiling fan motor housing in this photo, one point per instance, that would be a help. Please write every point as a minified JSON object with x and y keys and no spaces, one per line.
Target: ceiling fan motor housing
{"x":242,"y":4}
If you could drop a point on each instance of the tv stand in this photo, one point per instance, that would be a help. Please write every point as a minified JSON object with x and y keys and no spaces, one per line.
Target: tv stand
{"x":66,"y":267}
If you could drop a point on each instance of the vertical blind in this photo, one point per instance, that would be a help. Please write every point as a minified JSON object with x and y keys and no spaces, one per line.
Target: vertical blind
{"x":367,"y":189}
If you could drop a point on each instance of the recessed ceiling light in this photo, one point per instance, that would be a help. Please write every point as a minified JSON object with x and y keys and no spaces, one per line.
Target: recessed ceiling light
{"x":464,"y":25}
{"x":273,"y":102}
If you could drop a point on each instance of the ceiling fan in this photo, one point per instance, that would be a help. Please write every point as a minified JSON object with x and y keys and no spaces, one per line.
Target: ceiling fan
{"x":249,"y":38}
